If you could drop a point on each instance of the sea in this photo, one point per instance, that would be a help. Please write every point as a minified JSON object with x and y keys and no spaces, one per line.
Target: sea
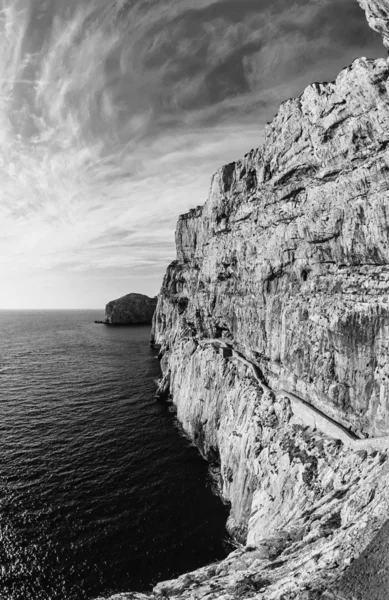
{"x":100,"y":491}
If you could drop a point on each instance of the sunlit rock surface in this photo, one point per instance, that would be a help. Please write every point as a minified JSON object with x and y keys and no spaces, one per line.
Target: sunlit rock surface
{"x":288,"y":259}
{"x":131,"y":309}
{"x":287,"y":265}
{"x":279,"y":297}
{"x":377,"y":12}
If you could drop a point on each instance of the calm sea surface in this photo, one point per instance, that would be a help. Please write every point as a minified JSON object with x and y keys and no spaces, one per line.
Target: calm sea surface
{"x":99,"y":491}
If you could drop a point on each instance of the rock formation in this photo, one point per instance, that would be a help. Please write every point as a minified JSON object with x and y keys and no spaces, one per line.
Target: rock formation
{"x":377,"y":12}
{"x":131,"y":309}
{"x":287,"y":261}
{"x":273,"y":324}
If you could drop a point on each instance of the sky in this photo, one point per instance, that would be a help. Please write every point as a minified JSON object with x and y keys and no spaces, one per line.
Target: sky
{"x":114,"y":116}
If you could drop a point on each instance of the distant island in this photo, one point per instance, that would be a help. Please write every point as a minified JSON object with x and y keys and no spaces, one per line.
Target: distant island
{"x":132,"y":309}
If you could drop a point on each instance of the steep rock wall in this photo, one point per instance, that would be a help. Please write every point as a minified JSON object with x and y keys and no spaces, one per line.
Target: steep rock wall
{"x":281,"y":283}
{"x":286,"y":265}
{"x":288,"y":259}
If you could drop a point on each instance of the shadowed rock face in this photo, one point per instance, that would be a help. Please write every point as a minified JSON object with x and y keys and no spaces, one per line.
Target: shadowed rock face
{"x":131,"y":309}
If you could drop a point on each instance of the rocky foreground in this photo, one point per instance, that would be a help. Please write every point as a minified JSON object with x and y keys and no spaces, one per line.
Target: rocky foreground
{"x":273,"y":324}
{"x":132,"y":309}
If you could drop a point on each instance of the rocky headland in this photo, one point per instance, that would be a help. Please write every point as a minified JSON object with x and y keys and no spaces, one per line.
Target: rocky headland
{"x":132,"y":309}
{"x":273,"y":326}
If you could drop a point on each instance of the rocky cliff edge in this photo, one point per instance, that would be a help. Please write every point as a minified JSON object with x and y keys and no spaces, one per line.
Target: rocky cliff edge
{"x":274,"y":331}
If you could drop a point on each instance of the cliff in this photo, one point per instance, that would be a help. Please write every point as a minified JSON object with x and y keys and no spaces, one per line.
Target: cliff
{"x":273,"y":324}
{"x":287,"y":262}
{"x":131,"y":309}
{"x":285,"y":270}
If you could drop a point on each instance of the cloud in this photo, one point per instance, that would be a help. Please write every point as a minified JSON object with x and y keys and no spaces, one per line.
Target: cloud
{"x":113,"y":116}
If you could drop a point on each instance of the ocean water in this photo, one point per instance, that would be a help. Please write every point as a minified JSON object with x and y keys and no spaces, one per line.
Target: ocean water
{"x":99,"y":490}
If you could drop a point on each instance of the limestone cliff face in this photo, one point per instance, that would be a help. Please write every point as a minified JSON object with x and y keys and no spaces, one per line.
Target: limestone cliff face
{"x":274,"y":331}
{"x":288,"y":259}
{"x":280,"y":292}
{"x":130,"y":310}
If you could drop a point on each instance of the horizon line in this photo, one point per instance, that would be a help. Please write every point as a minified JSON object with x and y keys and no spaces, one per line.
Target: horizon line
{"x":50,"y":308}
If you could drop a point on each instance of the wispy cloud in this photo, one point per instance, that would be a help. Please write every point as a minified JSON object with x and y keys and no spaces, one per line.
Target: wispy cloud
{"x":113,"y":117}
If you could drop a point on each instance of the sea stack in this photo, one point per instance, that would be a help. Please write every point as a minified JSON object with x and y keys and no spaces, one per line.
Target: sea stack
{"x":131,"y":309}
